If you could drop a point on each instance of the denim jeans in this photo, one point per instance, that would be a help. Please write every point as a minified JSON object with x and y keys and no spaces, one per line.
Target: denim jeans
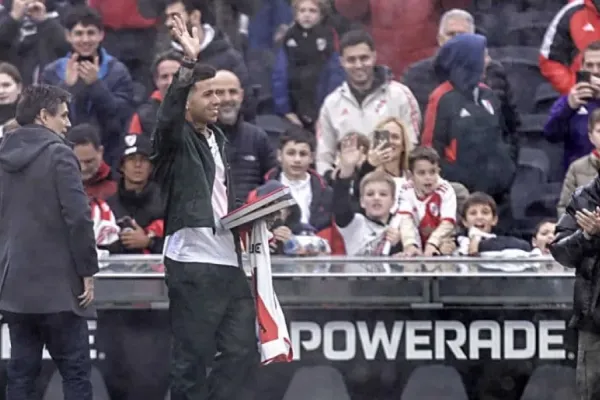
{"x":66,"y":337}
{"x":213,"y":322}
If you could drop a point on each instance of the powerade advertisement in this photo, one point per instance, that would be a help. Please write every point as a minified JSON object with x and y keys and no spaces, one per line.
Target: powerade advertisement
{"x":375,"y":351}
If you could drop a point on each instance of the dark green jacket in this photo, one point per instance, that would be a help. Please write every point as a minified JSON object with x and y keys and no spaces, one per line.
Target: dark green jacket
{"x":184,"y":165}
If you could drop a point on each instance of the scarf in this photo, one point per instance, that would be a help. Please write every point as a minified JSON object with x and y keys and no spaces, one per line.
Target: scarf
{"x":273,"y":336}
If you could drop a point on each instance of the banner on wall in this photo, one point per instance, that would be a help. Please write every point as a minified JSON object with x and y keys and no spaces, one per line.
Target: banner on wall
{"x":471,"y":340}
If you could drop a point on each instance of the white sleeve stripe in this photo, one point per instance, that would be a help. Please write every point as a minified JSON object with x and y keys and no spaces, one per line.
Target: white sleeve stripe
{"x":551,"y":31}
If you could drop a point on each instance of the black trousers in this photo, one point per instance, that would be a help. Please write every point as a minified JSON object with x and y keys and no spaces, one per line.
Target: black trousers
{"x":66,"y":337}
{"x":588,"y":366}
{"x":213,"y":322}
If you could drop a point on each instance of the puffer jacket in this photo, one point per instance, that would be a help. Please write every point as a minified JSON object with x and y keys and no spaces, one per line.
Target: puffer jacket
{"x":571,"y":249}
{"x":581,"y":172}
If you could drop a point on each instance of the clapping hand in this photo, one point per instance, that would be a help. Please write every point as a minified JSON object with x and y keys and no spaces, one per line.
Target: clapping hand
{"x":189,"y":43}
{"x":88,"y":71}
{"x":589,"y":221}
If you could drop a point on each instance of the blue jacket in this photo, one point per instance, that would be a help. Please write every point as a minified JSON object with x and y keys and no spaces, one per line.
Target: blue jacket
{"x":107,"y":103}
{"x":331,"y":77}
{"x":570,"y":126}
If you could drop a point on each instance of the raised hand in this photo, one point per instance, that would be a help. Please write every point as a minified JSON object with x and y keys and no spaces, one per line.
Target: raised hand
{"x":19,"y":9}
{"x":189,"y":42}
{"x":350,"y":156}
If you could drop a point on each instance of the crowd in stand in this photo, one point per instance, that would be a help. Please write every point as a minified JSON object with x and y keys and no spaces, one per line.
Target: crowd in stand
{"x":401,"y":143}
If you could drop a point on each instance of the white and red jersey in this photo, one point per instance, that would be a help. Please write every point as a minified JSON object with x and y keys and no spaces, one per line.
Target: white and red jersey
{"x":106,"y":229}
{"x":429,"y":212}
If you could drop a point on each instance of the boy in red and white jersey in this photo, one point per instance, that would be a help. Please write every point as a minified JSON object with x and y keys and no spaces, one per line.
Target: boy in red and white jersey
{"x":428,"y":206}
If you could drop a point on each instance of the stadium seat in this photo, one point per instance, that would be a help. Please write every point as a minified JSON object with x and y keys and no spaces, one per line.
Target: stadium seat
{"x":532,"y":123}
{"x":545,"y":96}
{"x":551,"y":382}
{"x":527,"y":28}
{"x":317,"y":383}
{"x":536,"y":159}
{"x":260,"y":68}
{"x":532,"y":173}
{"x":522,"y":72}
{"x":54,"y":390}
{"x":434,"y":382}
{"x":274,"y":125}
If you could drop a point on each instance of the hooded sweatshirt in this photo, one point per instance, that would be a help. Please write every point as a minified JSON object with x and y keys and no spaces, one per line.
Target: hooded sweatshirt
{"x":464,"y":122}
{"x":47,"y":242}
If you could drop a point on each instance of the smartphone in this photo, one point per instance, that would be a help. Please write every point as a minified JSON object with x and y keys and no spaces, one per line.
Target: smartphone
{"x":583,"y":76}
{"x":125,"y":223}
{"x":85,"y":58}
{"x":380,"y":137}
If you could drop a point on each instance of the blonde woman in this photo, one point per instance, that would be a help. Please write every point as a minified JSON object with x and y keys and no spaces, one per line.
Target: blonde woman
{"x":392,"y":157}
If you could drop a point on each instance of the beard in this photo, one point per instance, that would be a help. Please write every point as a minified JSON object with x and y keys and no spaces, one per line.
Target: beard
{"x":228,"y":113}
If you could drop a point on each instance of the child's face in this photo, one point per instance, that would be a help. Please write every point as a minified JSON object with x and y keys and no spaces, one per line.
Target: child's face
{"x":480,"y":216}
{"x":425,"y":177}
{"x":377,"y":199}
{"x":308,"y":13}
{"x":295,"y":159}
{"x":595,"y":136}
{"x":544,"y":236}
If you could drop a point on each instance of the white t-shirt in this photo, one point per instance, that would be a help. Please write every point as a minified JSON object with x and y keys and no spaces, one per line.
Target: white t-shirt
{"x":201,"y":245}
{"x":362,"y":236}
{"x":429,"y":212}
{"x":301,"y":192}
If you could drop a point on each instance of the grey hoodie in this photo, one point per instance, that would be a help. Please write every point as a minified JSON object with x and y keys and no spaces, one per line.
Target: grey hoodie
{"x":47,"y":242}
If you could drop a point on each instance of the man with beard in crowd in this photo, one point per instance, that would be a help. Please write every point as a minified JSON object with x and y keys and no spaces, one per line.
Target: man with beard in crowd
{"x":250,"y":153}
{"x":96,"y":174}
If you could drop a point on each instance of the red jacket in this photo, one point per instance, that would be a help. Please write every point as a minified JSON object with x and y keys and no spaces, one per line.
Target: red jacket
{"x":121,"y":14}
{"x":101,"y":186}
{"x":404,"y":31}
{"x":573,"y":28}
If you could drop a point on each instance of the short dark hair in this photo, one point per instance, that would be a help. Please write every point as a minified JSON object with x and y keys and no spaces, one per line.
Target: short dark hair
{"x":543,"y":222}
{"x":422,"y":153}
{"x":12,"y":71}
{"x":36,"y":98}
{"x":298,"y":135}
{"x":83,"y":15}
{"x":170,"y":55}
{"x":478,"y":199}
{"x":204,"y":6}
{"x":203,"y":72}
{"x":83,"y":134}
{"x":354,"y":38}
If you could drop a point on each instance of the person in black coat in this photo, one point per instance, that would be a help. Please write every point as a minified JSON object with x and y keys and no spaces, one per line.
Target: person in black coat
{"x":249,"y":152}
{"x":47,"y":247}
{"x":577,"y":245}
